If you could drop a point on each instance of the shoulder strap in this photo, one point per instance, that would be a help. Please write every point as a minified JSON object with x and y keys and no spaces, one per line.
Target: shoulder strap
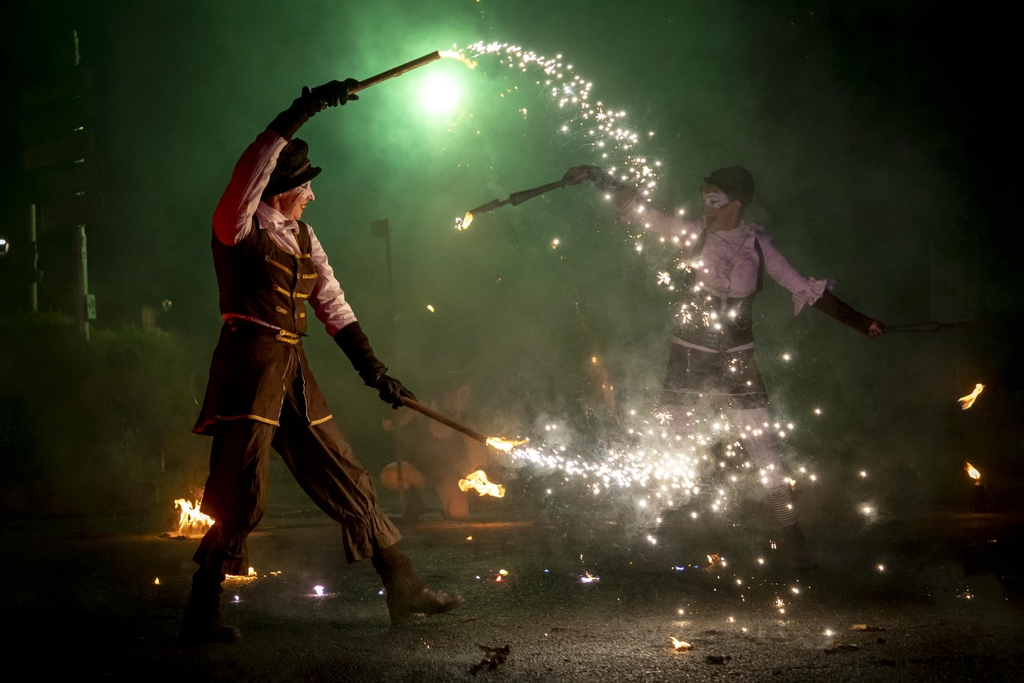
{"x":760,"y":264}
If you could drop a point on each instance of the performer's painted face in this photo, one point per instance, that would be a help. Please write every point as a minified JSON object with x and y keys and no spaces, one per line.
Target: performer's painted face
{"x":720,"y":212}
{"x":716,"y":199}
{"x":294,"y":201}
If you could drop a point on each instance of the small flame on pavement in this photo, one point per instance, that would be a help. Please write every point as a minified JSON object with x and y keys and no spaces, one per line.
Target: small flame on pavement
{"x":968,"y":400}
{"x":157,"y":582}
{"x":972,"y":472}
{"x":192,"y":523}
{"x":478,"y":482}
{"x":680,"y":645}
{"x":319,"y":591}
{"x":589,"y":578}
{"x":248,"y":576}
{"x":505,"y":445}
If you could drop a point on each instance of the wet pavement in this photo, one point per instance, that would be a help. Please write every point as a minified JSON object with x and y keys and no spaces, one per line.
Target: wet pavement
{"x":935,"y":598}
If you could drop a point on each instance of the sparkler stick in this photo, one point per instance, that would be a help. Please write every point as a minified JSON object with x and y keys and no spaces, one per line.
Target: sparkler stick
{"x":398,"y":70}
{"x":515,"y":199}
{"x":493,"y":441}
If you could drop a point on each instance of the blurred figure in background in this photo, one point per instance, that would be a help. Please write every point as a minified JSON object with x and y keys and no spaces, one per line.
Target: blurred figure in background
{"x":433,"y":456}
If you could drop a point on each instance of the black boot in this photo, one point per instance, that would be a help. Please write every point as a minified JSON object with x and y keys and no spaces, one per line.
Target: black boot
{"x":794,"y":545}
{"x":407,"y":595}
{"x":202,"y":622}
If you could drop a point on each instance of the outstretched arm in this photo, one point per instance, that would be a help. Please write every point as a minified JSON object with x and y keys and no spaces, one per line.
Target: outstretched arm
{"x":817,"y":293}
{"x":683,"y":233}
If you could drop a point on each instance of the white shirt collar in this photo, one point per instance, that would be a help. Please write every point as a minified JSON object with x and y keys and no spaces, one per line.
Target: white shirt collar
{"x":272,"y":218}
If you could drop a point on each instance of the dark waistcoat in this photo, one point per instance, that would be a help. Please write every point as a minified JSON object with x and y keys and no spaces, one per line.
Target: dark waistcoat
{"x":259,"y":279}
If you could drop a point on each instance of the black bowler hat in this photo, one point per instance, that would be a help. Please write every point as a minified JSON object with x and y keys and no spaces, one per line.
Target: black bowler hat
{"x":735,"y":181}
{"x":293,"y":168}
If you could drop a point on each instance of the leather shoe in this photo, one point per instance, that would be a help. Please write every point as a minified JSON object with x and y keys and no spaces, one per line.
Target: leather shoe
{"x":426,"y":602}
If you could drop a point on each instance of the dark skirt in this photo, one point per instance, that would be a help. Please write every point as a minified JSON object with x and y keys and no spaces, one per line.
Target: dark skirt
{"x":719,"y":380}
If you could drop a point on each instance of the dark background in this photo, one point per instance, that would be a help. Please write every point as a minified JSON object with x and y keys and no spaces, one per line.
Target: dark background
{"x":879,"y":134}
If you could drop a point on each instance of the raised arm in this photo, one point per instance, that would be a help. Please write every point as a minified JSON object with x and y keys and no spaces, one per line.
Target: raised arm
{"x":632,"y":211}
{"x":232,"y":219}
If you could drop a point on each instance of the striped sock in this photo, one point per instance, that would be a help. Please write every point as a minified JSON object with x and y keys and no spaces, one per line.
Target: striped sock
{"x":781,"y":500}
{"x":396,"y":571}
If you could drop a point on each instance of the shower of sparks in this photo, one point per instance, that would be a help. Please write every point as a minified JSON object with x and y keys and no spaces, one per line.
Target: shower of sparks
{"x":667,"y":460}
{"x":968,"y":400}
{"x":972,"y":472}
{"x":599,"y":127}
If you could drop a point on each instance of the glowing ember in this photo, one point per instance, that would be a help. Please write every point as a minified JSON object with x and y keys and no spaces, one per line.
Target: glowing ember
{"x":452,"y":54}
{"x":248,"y":576}
{"x":464,"y":222}
{"x":680,"y":645}
{"x":478,"y":482}
{"x":972,"y":472}
{"x":505,"y":445}
{"x":968,"y":400}
{"x":191,"y":522}
{"x":157,"y":581}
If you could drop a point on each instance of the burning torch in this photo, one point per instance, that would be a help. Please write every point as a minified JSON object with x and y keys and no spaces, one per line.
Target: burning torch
{"x":501,"y":444}
{"x":516,"y":198}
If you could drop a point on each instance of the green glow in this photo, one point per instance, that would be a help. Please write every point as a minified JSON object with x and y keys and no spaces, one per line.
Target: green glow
{"x":439,"y":93}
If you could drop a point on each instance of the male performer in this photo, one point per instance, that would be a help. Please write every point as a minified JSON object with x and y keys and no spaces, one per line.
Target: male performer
{"x":261,"y":391}
{"x":711,"y":361}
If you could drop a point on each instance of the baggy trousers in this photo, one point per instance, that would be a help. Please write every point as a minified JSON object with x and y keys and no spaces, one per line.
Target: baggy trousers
{"x":322,"y":463}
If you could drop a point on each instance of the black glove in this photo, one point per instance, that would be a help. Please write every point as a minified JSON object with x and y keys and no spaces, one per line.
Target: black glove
{"x":309,"y":103}
{"x":832,"y":305}
{"x":357,"y":347}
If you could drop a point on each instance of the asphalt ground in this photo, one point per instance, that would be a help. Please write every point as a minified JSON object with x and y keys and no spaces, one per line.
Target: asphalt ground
{"x":80,"y":597}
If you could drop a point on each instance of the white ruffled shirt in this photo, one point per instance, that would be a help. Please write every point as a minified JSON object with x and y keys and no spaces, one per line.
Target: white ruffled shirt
{"x":232,"y":222}
{"x":729,"y":257}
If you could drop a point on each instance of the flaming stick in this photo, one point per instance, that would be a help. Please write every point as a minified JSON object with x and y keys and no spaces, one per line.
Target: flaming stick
{"x":493,"y":441}
{"x":515,"y":199}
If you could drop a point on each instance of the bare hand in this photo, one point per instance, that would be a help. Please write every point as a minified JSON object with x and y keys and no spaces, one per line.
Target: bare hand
{"x":877,"y":329}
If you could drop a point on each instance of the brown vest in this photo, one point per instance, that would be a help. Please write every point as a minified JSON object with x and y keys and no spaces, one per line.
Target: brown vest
{"x":259,"y":279}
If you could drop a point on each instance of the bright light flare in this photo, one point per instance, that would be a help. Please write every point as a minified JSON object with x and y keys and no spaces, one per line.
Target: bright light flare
{"x":440,"y":93}
{"x":968,"y":400}
{"x":477,"y":481}
{"x":972,"y":471}
{"x":464,"y":222}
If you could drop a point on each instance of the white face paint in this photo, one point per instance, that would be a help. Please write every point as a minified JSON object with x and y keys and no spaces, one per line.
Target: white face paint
{"x":716,"y":199}
{"x":305,"y":192}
